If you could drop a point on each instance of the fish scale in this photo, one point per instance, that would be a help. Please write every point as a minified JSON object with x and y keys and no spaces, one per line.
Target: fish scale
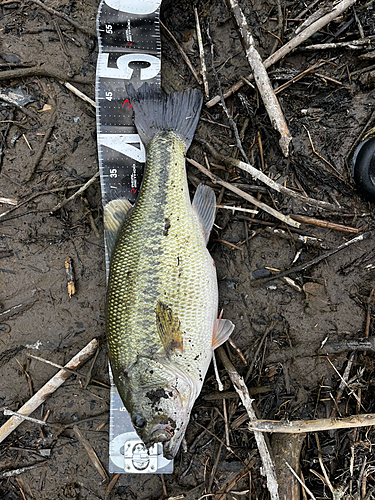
{"x":174,"y":268}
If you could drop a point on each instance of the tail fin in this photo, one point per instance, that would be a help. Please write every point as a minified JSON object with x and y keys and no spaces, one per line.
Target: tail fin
{"x":155,"y":112}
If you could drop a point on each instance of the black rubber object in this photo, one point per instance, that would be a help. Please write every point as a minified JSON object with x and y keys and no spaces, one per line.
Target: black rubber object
{"x":363,"y":167}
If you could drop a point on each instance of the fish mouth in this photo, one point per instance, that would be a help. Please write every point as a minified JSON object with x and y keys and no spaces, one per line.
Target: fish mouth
{"x":161,"y":433}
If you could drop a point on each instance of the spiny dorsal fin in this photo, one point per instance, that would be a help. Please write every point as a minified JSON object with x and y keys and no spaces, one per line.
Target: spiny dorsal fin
{"x":222,"y":330}
{"x":115,"y":212}
{"x":204,"y":202}
{"x":169,"y":328}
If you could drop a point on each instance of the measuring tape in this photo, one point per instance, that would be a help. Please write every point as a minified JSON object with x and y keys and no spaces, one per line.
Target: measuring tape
{"x":129,"y":52}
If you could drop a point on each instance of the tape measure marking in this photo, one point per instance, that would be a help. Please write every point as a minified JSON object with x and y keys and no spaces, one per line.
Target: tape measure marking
{"x":129,"y":52}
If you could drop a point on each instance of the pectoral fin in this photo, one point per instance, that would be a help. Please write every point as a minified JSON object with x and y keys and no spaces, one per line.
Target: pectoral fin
{"x":115,"y":212}
{"x":169,"y":328}
{"x":222,"y":330}
{"x":204,"y":202}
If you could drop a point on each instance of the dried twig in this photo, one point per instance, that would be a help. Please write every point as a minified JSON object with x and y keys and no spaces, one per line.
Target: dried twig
{"x":253,"y":391}
{"x":298,"y":77}
{"x":312,"y":262}
{"x":46,"y":137}
{"x":279,"y":27}
{"x":306,"y":240}
{"x":8,"y":201}
{"x":201,"y":53}
{"x":50,"y":387}
{"x":18,"y":308}
{"x":73,"y":372}
{"x":260,"y":176}
{"x":353,"y":44}
{"x":91,"y":453}
{"x":240,"y":386}
{"x":301,"y":482}
{"x":78,"y":93}
{"x":80,"y":190}
{"x":252,"y":364}
{"x":70,"y":277}
{"x":112,"y":483}
{"x":320,"y":458}
{"x":16,"y":472}
{"x":225,"y":109}
{"x":239,"y":209}
{"x":324,"y":223}
{"x":23,"y":417}
{"x":61,"y":38}
{"x":244,"y":195}
{"x":260,"y":76}
{"x":366,"y":344}
{"x":182,"y":52}
{"x":336,"y":174}
{"x":32,"y":197}
{"x":322,"y":424}
{"x":56,"y":365}
{"x":42,"y":71}
{"x":292,"y":44}
{"x":54,"y":12}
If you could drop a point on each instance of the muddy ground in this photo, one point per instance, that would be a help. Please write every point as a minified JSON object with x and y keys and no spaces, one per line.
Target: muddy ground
{"x":279,"y":326}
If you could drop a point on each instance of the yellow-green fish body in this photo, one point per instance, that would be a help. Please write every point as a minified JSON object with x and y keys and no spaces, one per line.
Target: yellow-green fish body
{"x":162,"y":296}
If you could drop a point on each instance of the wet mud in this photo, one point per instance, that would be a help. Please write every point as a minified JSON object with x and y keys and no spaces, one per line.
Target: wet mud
{"x":282,"y":324}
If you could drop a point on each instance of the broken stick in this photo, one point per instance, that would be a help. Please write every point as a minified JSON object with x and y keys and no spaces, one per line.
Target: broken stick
{"x":287,"y":448}
{"x":240,"y":386}
{"x":260,"y":76}
{"x":70,"y":277}
{"x":91,"y":453}
{"x":80,"y":190}
{"x":260,"y":176}
{"x":46,"y":138}
{"x":366,"y":344}
{"x":322,"y":424}
{"x":324,"y":223}
{"x":246,"y":196}
{"x":54,"y":383}
{"x":312,"y":262}
{"x":201,"y":53}
{"x":292,"y":44}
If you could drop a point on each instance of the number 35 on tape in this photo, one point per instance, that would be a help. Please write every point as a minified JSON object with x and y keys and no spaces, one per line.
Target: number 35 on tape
{"x":129,"y":53}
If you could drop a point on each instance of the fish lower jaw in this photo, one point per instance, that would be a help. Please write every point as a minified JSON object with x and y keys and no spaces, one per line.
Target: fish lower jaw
{"x":161,"y":436}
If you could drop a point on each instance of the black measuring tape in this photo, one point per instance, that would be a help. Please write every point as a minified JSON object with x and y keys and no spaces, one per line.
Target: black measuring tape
{"x":129,"y":53}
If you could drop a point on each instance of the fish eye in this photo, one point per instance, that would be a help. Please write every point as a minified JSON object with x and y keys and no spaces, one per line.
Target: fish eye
{"x":139,"y":421}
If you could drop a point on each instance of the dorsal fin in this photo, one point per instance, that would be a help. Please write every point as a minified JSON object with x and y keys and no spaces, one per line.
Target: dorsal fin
{"x":204,"y":202}
{"x":115,"y":212}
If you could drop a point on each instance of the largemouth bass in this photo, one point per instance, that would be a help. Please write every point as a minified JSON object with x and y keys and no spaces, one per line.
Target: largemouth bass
{"x":162,"y":296}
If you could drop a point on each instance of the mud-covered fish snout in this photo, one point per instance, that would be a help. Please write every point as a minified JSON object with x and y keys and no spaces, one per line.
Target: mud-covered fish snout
{"x":160,"y":433}
{"x":154,"y":432}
